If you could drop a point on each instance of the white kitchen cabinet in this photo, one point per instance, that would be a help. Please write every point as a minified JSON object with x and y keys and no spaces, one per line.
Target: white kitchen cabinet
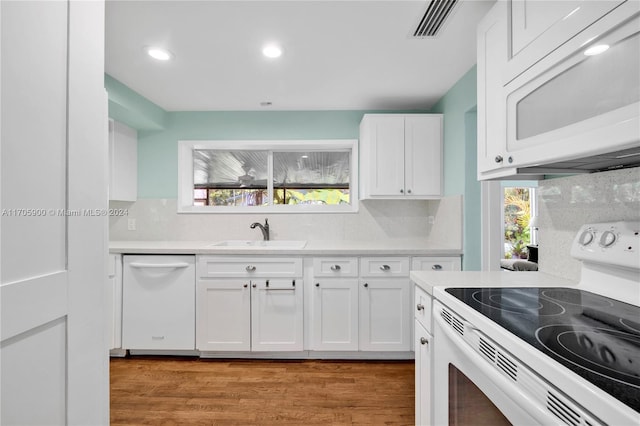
{"x":158,"y":309}
{"x":123,"y":162}
{"x":540,"y":27}
{"x":423,"y":348}
{"x":423,"y":343}
{"x":223,"y":320}
{"x":334,"y":304}
{"x":249,"y":303}
{"x":385,"y":314}
{"x":277,"y":315}
{"x":114,"y":300}
{"x":401,"y":156}
{"x":430,"y":263}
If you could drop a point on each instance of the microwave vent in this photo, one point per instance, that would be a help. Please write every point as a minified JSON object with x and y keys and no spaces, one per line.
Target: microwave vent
{"x":434,"y":18}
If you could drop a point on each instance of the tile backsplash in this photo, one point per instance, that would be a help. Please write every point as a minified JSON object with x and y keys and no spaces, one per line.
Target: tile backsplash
{"x":439,"y":221}
{"x":564,"y":204}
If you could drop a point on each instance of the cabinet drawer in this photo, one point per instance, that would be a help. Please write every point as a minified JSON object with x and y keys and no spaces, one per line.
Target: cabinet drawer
{"x":436,"y":263}
{"x":384,"y":266}
{"x":335,"y":267}
{"x":248,"y":266}
{"x":422,"y":308}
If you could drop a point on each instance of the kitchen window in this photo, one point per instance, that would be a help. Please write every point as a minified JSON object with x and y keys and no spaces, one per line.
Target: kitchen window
{"x":268,"y":176}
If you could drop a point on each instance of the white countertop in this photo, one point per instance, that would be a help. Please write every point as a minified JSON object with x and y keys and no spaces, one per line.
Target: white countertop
{"x":325,"y":248}
{"x":427,"y":280}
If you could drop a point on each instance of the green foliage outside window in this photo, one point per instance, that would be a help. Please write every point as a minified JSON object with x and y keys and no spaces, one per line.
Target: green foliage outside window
{"x":517,"y":214}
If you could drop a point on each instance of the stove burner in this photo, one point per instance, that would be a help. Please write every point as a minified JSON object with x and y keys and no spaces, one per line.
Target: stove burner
{"x":575,"y":298}
{"x":609,"y":353}
{"x":519,"y":301}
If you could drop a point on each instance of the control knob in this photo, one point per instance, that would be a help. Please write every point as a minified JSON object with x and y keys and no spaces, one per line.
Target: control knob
{"x":607,"y":239}
{"x":586,"y":238}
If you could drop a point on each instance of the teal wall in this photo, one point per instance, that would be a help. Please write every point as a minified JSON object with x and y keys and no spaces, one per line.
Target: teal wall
{"x":460,"y":171}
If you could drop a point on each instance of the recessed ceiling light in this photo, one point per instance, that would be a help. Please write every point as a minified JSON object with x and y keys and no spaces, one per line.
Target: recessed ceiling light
{"x":596,"y":50}
{"x":272,"y":51}
{"x":159,"y":53}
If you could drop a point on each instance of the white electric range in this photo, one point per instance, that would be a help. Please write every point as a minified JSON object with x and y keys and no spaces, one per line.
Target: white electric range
{"x":545,"y":355}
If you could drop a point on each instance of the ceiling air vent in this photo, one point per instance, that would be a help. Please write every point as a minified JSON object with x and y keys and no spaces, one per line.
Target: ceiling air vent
{"x":434,"y":17}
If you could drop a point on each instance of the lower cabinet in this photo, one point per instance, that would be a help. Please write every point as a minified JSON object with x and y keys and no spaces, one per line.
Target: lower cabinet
{"x":385,"y":314}
{"x":252,"y":313}
{"x":422,"y":344}
{"x":334,"y":319}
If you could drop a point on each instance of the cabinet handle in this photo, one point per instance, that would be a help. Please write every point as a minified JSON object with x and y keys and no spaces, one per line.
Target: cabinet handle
{"x":510,"y":159}
{"x":254,"y":285}
{"x":250,"y":268}
{"x":424,"y":341}
{"x":385,"y":267}
{"x":267,"y":283}
{"x":420,"y":307}
{"x":408,"y":191}
{"x":246,"y":285}
{"x":402,"y":191}
{"x":317,"y":284}
{"x":157,"y":337}
{"x":436,"y":267}
{"x":335,"y":268}
{"x":498,"y":158}
{"x":366,"y":285}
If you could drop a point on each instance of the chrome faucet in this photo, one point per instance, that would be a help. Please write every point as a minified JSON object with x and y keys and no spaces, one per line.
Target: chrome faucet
{"x":264,"y":228}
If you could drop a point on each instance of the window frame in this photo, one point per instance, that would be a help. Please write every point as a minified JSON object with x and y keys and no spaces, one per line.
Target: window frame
{"x":186,"y":185}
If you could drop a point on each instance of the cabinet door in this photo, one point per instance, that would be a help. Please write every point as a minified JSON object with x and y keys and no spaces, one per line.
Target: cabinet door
{"x":422,"y":344}
{"x":385,"y":148}
{"x":334,"y":320}
{"x":223,"y":316}
{"x":277,"y":315}
{"x":423,"y":155}
{"x":385,"y":314}
{"x":540,"y":27}
{"x":123,"y":162}
{"x":492,"y":113}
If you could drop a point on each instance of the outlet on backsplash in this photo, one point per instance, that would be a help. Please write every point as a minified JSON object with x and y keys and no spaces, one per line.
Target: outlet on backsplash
{"x":131,"y":224}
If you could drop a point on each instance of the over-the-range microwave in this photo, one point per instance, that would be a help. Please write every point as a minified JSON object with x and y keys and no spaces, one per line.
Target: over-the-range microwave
{"x":575,"y":111}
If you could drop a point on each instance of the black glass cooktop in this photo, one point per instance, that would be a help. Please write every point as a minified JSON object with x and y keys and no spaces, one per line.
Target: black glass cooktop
{"x":594,"y":336}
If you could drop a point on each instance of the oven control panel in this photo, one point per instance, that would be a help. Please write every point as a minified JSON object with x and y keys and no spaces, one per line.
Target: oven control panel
{"x":613,"y":243}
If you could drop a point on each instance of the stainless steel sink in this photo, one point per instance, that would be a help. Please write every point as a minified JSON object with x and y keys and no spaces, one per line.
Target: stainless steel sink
{"x":259,"y":244}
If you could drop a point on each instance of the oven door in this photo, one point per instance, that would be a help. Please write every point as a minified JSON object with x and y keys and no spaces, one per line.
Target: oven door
{"x":467,"y":390}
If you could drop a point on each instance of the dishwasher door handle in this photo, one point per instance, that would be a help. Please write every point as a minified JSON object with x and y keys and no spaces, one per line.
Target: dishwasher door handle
{"x":159,"y":265}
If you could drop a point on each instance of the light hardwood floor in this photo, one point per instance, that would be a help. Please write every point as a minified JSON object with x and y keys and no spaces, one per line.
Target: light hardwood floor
{"x":187,"y":391}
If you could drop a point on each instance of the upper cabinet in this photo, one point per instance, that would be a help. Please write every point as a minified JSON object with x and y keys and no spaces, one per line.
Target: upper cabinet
{"x":401,"y":156}
{"x":123,"y":162}
{"x":549,"y":101}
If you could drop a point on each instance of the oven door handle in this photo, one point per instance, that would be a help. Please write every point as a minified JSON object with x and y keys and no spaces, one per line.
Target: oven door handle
{"x":528,"y":401}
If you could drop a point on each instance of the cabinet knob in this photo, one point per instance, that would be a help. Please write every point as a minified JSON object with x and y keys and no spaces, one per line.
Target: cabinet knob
{"x":402,"y":191}
{"x":250,"y":268}
{"x":335,"y":268}
{"x":385,"y":267}
{"x":424,"y":341}
{"x":498,"y":158}
{"x":366,"y":284}
{"x":420,"y":307}
{"x":510,"y":159}
{"x":436,"y":267}
{"x":246,"y":285}
{"x":254,"y":285}
{"x":317,"y":284}
{"x":408,"y":191}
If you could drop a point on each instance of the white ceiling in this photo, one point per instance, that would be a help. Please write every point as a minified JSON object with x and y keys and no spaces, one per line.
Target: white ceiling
{"x":338,"y":54}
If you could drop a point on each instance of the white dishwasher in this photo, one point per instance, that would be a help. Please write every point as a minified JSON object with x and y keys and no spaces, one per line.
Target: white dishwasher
{"x":158,"y":302}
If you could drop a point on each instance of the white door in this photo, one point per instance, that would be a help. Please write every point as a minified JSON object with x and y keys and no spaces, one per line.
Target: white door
{"x":223,"y":315}
{"x":276,"y":315}
{"x":387,"y":155}
{"x":422,"y":344}
{"x":385,"y":314}
{"x":335,"y":314}
{"x":53,"y":230}
{"x":423,"y":155}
